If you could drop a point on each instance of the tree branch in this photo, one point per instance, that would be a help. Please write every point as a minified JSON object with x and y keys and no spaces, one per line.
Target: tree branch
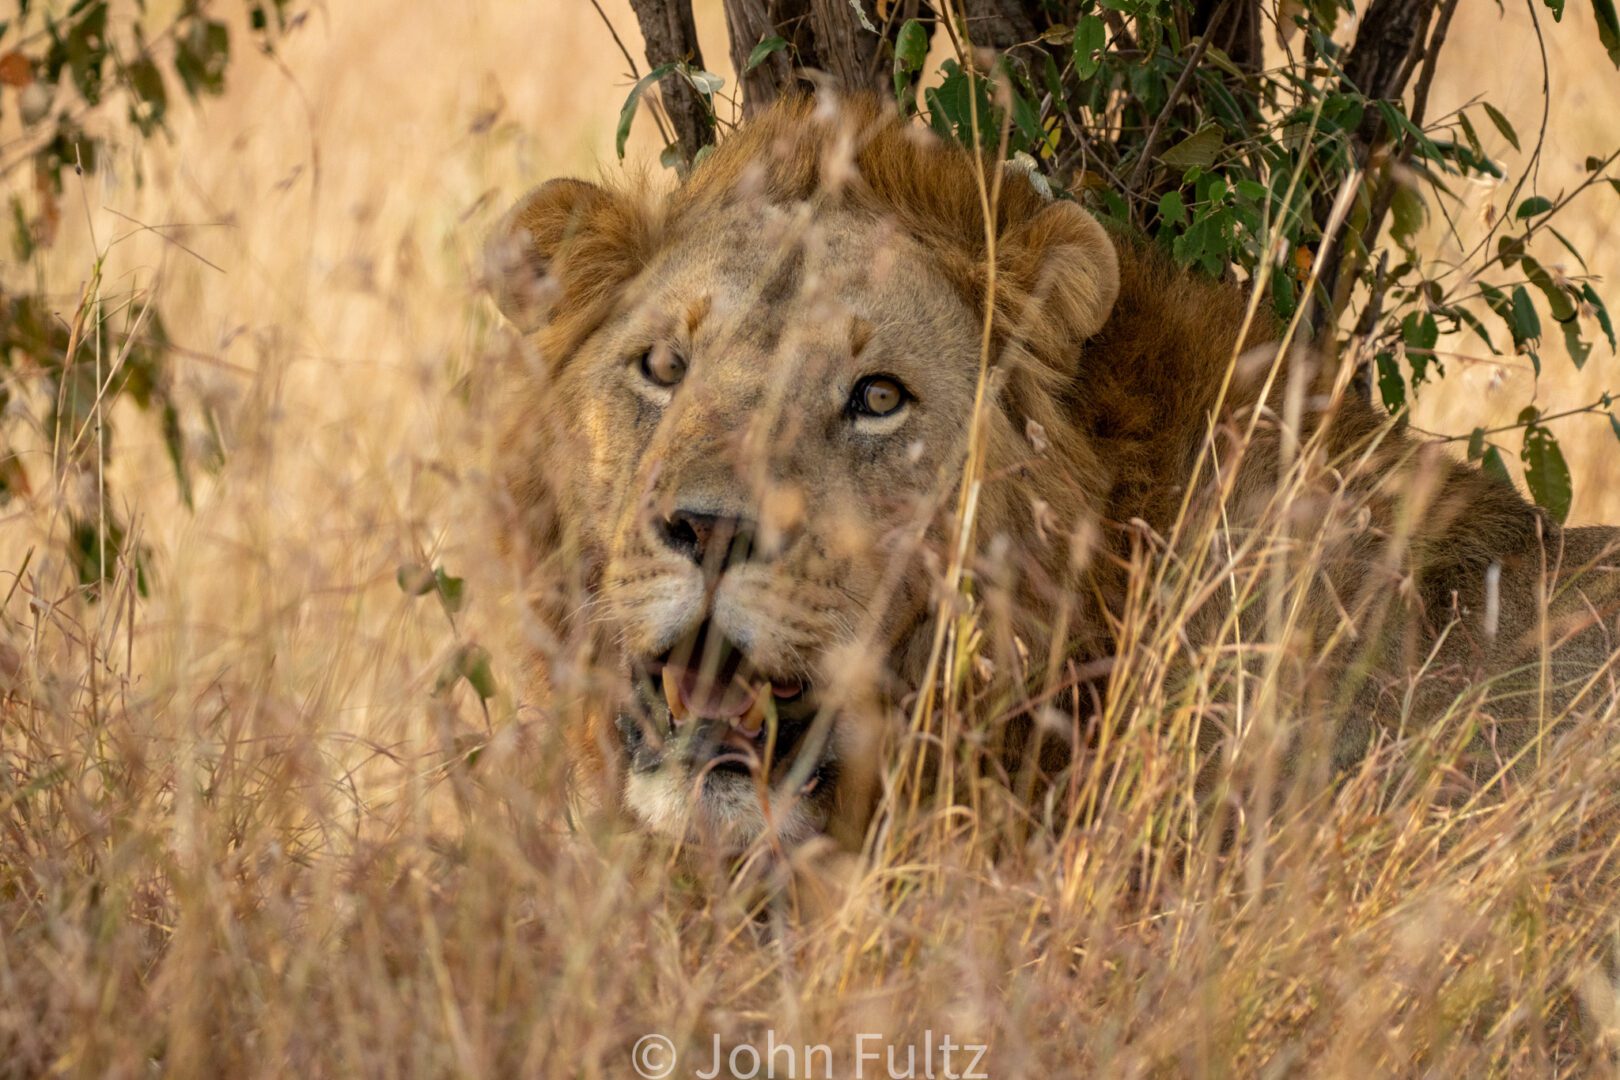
{"x":671,"y":36}
{"x":1152,"y":141}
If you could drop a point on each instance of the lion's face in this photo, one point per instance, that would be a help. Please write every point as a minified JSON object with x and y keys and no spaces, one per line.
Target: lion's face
{"x":766,"y":444}
{"x":758,"y":417}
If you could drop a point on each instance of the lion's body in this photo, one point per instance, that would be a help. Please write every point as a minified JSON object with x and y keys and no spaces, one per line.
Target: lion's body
{"x":1437,"y":547}
{"x":811,"y":250}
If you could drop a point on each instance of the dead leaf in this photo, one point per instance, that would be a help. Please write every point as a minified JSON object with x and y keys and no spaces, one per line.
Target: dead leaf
{"x":16,"y":69}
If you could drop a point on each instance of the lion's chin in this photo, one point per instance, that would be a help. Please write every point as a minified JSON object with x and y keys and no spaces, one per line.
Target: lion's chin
{"x":726,"y":815}
{"x":721,"y":753}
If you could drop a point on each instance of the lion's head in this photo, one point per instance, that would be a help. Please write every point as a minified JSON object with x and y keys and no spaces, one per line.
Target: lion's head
{"x":746,"y":424}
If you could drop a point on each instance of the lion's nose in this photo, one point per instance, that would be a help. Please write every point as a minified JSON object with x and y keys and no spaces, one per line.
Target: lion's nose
{"x":713,"y":541}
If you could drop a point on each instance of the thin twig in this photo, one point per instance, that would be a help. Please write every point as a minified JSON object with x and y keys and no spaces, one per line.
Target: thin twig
{"x":635,"y":72}
{"x":1597,"y":407}
{"x":1176,"y":91}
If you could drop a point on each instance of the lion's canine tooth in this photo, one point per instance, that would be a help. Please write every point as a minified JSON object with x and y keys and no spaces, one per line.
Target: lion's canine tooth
{"x":672,"y":694}
{"x":750,"y":722}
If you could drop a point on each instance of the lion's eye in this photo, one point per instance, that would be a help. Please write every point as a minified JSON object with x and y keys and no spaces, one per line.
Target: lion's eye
{"x":662,"y":366}
{"x":878,"y":396}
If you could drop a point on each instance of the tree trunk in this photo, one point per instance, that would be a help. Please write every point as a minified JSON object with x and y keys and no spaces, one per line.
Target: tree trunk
{"x":1235,"y":31}
{"x":671,"y":35}
{"x":847,"y":51}
{"x":828,"y":36}
{"x":1001,"y":24}
{"x":1387,"y":50}
{"x":1389,"y":45}
{"x":748,"y":22}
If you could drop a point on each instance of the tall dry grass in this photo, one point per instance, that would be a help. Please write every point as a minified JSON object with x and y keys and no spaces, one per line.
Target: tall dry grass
{"x":243,"y":829}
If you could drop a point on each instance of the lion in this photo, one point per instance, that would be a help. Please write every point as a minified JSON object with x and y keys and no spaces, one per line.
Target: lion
{"x":745,"y":423}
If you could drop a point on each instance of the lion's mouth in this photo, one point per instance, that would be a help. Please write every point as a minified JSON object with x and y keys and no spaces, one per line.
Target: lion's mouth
{"x":709,"y":704}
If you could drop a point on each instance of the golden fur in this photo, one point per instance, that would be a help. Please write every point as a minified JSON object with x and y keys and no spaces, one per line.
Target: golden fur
{"x":827,"y":240}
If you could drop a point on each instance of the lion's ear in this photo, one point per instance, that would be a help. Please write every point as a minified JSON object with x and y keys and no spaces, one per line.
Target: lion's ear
{"x":554,"y":240}
{"x":1065,"y":262}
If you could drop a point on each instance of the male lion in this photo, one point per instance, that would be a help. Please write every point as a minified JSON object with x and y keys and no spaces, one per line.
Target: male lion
{"x":746,"y":420}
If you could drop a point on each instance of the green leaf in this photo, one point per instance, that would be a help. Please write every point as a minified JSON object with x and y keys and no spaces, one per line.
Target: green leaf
{"x":1026,"y":117}
{"x":628,"y":112}
{"x":1283,"y":300}
{"x":1591,"y":297}
{"x":960,"y":108}
{"x":1200,"y":148}
{"x":1614,"y":425}
{"x":417,"y":580}
{"x":87,"y":51}
{"x":22,"y":237}
{"x":452,"y":590}
{"x":200,"y":57}
{"x":1217,"y":56}
{"x":1546,"y":473}
{"x":152,"y":99}
{"x":1559,"y":304}
{"x":1609,"y":34}
{"x":1533,"y":206}
{"x":1420,"y":331}
{"x":174,"y":442}
{"x":414,"y":579}
{"x":761,"y":52}
{"x":1476,"y":444}
{"x":1409,"y":212}
{"x":936,"y":114}
{"x":1569,"y":247}
{"x":1466,"y":316}
{"x":1470,"y":134}
{"x":910,"y":53}
{"x":1391,"y":386}
{"x":1172,"y":211}
{"x":1526,"y":323}
{"x":1491,"y":464}
{"x":472,"y":663}
{"x":1502,"y":124}
{"x":1090,"y":40}
{"x":1510,"y":249}
{"x":1557,"y":9}
{"x":706,"y":83}
{"x":1252,"y":190}
{"x":1579,"y":350}
{"x":1397,"y":120}
{"x":1500,"y":303}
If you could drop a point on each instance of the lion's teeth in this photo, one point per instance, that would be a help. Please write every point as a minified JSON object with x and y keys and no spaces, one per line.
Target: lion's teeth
{"x":751,"y":722}
{"x":672,"y":695}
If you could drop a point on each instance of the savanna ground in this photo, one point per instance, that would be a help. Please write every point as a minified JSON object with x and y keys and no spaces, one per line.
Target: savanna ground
{"x":249,"y":826}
